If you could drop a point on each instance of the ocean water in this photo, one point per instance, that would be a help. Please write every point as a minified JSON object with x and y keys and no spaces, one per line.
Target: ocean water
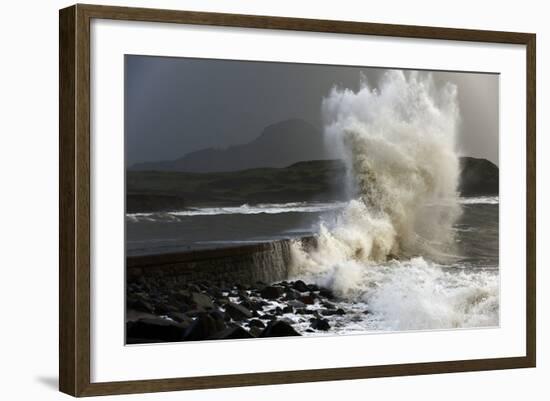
{"x":405,"y":252}
{"x":219,"y":227}
{"x":417,"y":292}
{"x":208,"y":227}
{"x":413,"y":293}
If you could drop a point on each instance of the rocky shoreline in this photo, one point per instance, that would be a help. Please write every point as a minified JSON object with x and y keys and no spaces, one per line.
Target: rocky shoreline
{"x":161,"y":311}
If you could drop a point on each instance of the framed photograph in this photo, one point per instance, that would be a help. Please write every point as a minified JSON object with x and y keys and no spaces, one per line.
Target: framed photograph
{"x":250,"y":200}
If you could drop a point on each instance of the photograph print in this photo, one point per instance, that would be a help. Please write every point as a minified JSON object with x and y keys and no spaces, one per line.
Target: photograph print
{"x":268,"y":199}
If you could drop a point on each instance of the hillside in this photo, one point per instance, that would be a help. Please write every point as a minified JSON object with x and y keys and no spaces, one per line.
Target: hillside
{"x":478,"y":177}
{"x":278,"y":145}
{"x":317,"y":180}
{"x":312,"y":180}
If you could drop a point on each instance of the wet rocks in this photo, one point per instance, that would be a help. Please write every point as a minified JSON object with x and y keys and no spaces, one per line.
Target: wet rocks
{"x":256,"y":323}
{"x":319,"y":324}
{"x":326,"y":293}
{"x":203,"y":327}
{"x":165,"y":309}
{"x":307,"y":299}
{"x":255,"y":331}
{"x":202,"y":300}
{"x":138,"y":301}
{"x":154,"y":330}
{"x":328,"y":305}
{"x":313,"y":287}
{"x":333,"y":311}
{"x":174,"y":310}
{"x":296,"y":304}
{"x":306,"y":311}
{"x":180,"y":317}
{"x":231,"y":333}
{"x":279,"y":328}
{"x":300,"y":286}
{"x":272,"y":292}
{"x":288,"y":309}
{"x":237,"y":312}
{"x":253,"y":305}
{"x":268,"y":317}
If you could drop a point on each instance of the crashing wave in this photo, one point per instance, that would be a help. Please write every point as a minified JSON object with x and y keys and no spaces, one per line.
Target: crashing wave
{"x":387,"y":245}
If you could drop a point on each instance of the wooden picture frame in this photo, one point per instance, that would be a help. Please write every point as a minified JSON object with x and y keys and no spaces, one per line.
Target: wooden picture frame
{"x":74,"y":204}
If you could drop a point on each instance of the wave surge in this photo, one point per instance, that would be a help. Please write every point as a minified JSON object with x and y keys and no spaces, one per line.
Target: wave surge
{"x":388,"y":245}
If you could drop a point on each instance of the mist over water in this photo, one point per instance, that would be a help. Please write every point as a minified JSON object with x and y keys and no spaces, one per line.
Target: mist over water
{"x":393,"y":248}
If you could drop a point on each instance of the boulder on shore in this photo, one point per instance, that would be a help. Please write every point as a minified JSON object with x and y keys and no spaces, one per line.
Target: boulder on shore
{"x":237,"y":312}
{"x":204,"y":326}
{"x":320,"y":324}
{"x":278,"y":328}
{"x":231,"y":333}
{"x":272,"y":292}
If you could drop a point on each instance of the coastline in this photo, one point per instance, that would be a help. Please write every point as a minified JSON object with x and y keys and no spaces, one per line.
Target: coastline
{"x":224,"y":293}
{"x":244,"y":264}
{"x":244,"y":291}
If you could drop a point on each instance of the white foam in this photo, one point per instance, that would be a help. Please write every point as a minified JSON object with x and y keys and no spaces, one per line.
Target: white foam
{"x":480,"y":200}
{"x":265,"y":208}
{"x":398,"y":142}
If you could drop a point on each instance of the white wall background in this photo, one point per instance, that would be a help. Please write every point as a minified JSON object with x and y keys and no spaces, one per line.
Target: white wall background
{"x":29,"y":185}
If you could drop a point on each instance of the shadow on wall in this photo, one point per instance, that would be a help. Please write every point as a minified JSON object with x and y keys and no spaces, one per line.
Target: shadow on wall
{"x":49,"y":381}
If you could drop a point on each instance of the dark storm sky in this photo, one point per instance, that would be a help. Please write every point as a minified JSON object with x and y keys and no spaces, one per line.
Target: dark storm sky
{"x":177,"y":105}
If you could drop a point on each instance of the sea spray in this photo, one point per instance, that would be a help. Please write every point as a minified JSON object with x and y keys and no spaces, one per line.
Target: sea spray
{"x":398,"y":143}
{"x":387,"y":246}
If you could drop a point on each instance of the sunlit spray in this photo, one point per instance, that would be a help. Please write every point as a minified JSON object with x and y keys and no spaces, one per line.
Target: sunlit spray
{"x":398,"y":141}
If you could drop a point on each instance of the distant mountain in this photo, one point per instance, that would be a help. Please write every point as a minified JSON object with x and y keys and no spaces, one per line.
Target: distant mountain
{"x":279,"y":145}
{"x":315,"y":180}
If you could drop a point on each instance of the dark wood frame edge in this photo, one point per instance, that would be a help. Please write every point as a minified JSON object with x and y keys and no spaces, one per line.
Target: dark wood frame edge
{"x":74,"y":203}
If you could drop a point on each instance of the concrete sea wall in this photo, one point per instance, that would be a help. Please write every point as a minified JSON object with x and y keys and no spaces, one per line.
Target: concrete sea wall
{"x":265,"y":262}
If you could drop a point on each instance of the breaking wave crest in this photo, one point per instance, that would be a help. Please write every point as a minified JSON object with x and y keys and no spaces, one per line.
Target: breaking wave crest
{"x":388,"y":245}
{"x":267,"y":208}
{"x":480,"y":200}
